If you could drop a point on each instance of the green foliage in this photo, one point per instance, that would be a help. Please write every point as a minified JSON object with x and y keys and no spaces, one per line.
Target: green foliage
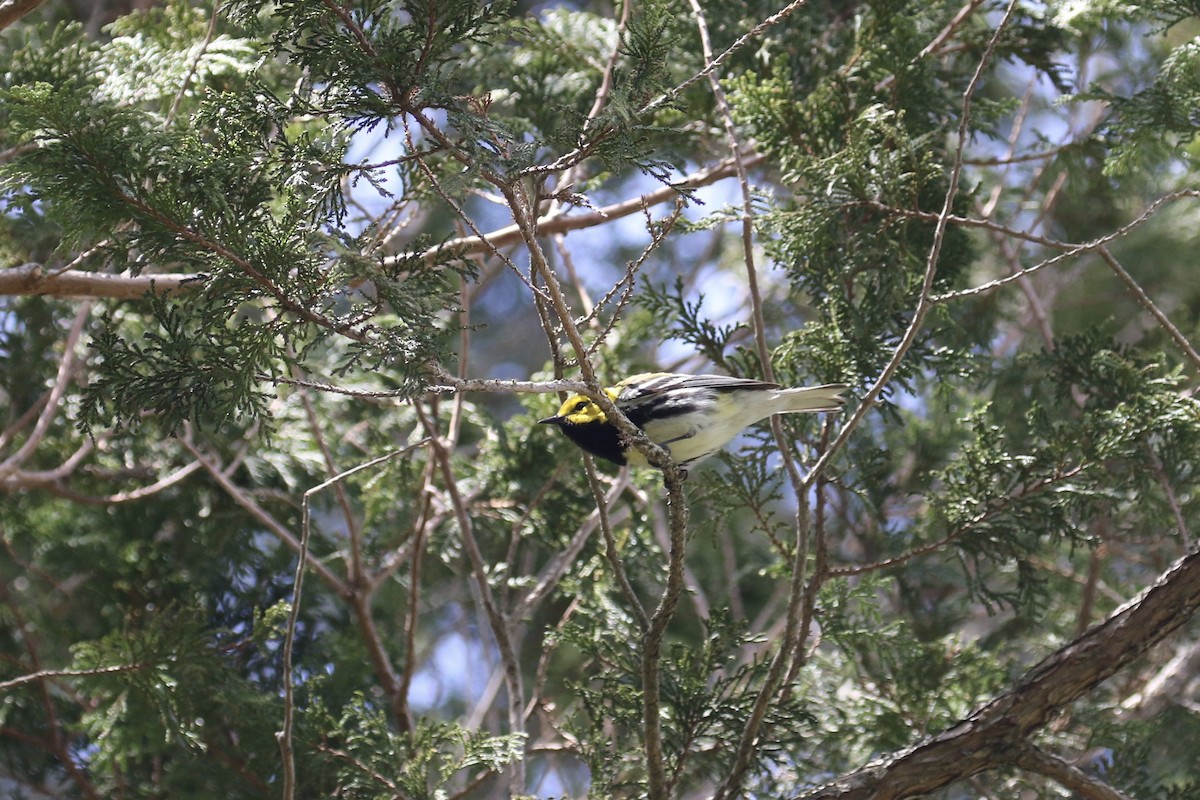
{"x":187,"y":371}
{"x":693,"y":327}
{"x":267,"y":285}
{"x":708,"y":694}
{"x":902,"y":682}
{"x":159,"y":702}
{"x":369,"y":759}
{"x":843,"y":245}
{"x":1148,"y":758}
{"x":59,"y":56}
{"x":320,"y":172}
{"x":1151,"y":126}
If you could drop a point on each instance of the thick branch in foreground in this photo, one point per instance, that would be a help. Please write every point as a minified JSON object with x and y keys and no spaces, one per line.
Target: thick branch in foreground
{"x":995,"y":734}
{"x":34,"y":279}
{"x":13,"y":10}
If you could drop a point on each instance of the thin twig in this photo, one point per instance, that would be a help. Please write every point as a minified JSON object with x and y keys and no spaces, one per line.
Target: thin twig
{"x":1032,"y":758}
{"x":1160,"y":474}
{"x":523,"y":214}
{"x":55,"y":742}
{"x":355,"y":574}
{"x":501,"y":628}
{"x":795,"y":626}
{"x":959,"y":530}
{"x":1145,"y":302}
{"x":49,"y":478}
{"x":564,"y":223}
{"x":284,"y":736}
{"x":652,"y":640}
{"x":51,"y":409}
{"x":202,"y":241}
{"x":798,"y":606}
{"x":47,"y":674}
{"x":444,"y":382}
{"x":556,"y":567}
{"x":611,"y":552}
{"x":1036,"y":306}
{"x":264,"y":517}
{"x":578,"y":154}
{"x":131,"y":495}
{"x":1071,"y":251}
{"x":195,"y":64}
{"x":404,"y":717}
{"x":658,"y":235}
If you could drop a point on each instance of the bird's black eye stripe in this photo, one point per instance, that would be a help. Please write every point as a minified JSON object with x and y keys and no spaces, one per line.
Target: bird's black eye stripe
{"x":580,"y":406}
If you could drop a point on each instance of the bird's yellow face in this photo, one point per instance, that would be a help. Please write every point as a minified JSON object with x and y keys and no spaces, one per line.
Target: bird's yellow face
{"x":580,"y":409}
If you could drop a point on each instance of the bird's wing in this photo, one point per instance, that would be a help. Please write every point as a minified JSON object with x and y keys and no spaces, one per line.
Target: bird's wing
{"x":649,"y":384}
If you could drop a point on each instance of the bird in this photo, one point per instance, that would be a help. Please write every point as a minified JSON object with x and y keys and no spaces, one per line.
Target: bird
{"x":691,"y":416}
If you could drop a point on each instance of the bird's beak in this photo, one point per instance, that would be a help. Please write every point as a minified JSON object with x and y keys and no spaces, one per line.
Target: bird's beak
{"x":550,"y":421}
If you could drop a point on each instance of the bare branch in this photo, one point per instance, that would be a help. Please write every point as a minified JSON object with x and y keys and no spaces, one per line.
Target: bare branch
{"x":576,"y":155}
{"x":55,"y":742}
{"x":450,"y":383}
{"x":25,"y":479}
{"x":36,"y":280}
{"x":552,"y":573}
{"x":1167,"y":685}
{"x":995,"y":508}
{"x":1145,"y":302}
{"x":66,"y":371}
{"x":47,"y":674}
{"x":195,"y":64}
{"x":611,"y":552}
{"x":564,"y":223}
{"x":501,"y":628}
{"x":652,"y":640}
{"x":1070,"y":250}
{"x":277,"y":528}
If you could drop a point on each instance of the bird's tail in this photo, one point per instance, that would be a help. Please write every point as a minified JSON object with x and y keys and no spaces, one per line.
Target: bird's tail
{"x":812,"y":398}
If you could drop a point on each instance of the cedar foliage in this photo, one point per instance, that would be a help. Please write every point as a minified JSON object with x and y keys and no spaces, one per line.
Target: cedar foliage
{"x":325,"y":188}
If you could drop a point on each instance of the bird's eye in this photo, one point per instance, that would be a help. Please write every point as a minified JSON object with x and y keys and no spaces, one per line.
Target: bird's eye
{"x":580,"y":406}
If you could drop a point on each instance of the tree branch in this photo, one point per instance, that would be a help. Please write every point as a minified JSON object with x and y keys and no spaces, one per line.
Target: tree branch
{"x":987,"y":738}
{"x":1070,"y":250}
{"x":35,"y":279}
{"x":13,"y":10}
{"x":51,"y":409}
{"x":45,"y":674}
{"x":1034,"y":759}
{"x":563,"y":223}
{"x":1145,"y":302}
{"x":280,"y":531}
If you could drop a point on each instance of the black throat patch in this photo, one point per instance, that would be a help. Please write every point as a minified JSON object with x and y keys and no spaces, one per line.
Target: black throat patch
{"x":598,"y":438}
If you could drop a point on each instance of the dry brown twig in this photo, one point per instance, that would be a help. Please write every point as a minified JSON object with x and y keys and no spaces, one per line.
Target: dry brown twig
{"x":501,"y":624}
{"x":50,"y":408}
{"x":284,"y":736}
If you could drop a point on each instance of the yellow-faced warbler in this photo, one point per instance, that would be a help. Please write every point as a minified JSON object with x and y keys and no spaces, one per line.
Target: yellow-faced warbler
{"x":692,"y":416}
